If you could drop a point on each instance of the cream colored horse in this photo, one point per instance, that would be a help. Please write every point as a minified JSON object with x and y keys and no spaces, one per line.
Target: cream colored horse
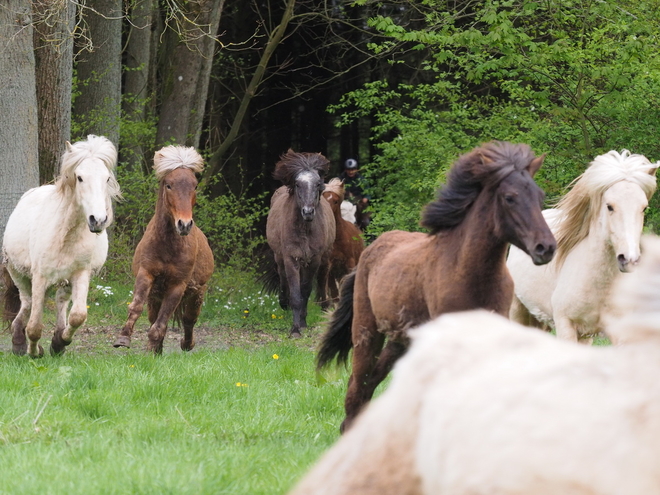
{"x":482,"y":405}
{"x":56,"y":236}
{"x":597,"y":225}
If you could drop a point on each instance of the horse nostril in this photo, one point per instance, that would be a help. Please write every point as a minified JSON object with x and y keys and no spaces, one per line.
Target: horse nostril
{"x":622,"y":260}
{"x":92,"y":220}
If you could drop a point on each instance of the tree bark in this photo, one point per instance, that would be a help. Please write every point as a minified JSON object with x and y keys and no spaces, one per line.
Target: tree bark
{"x":137,"y":78}
{"x":18,"y":106}
{"x":53,"y":44}
{"x":187,"y":72}
{"x":97,"y":107}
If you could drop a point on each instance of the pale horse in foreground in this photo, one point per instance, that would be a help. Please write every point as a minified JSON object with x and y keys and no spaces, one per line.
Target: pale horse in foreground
{"x":56,"y":236}
{"x":597,"y":224}
{"x":481,"y":405}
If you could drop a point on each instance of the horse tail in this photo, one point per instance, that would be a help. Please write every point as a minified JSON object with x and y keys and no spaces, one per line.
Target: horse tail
{"x":268,"y":276}
{"x":337,"y":340}
{"x":10,"y":296}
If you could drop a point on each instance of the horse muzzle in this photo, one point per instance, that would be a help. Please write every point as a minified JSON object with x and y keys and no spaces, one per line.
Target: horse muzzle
{"x":543,"y":253}
{"x":183,"y":228}
{"x":626,"y":264}
{"x":307,"y":213}
{"x":95,"y":224}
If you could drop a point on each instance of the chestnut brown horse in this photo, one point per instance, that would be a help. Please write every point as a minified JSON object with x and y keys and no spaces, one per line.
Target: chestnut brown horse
{"x":300,"y":230}
{"x":173,"y":261}
{"x":404,"y":279}
{"x":348,"y":244}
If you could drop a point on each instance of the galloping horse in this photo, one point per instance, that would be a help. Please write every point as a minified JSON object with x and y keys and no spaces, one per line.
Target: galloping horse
{"x":300,"y":230}
{"x":348,"y":244}
{"x":406,"y":278}
{"x":173,"y":261}
{"x":56,"y":236}
{"x":598,"y":224}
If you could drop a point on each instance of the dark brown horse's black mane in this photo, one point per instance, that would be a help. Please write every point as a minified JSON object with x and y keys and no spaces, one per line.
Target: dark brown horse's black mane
{"x":292,"y":163}
{"x":487,"y":164}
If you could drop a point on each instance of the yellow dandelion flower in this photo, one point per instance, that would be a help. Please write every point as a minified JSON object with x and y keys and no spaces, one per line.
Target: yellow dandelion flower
{"x":273,"y":316}
{"x":238,"y":384}
{"x":275,"y":356}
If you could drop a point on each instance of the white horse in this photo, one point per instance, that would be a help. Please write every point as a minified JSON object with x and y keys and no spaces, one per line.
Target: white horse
{"x":56,"y":236}
{"x":348,"y":210}
{"x":597,"y":224}
{"x":482,"y":405}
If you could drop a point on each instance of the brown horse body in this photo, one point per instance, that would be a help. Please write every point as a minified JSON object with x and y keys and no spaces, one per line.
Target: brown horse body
{"x":173,"y":261}
{"x":348,"y":244}
{"x":404,"y":279}
{"x":300,"y":230}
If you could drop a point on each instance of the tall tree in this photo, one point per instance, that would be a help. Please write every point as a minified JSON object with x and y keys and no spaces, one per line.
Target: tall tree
{"x":53,"y":48}
{"x":18,"y":106}
{"x":137,"y":77}
{"x":192,"y":38}
{"x":98,"y":104}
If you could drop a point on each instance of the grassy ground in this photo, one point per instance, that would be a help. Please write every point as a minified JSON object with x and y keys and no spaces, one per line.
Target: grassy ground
{"x":244,"y":413}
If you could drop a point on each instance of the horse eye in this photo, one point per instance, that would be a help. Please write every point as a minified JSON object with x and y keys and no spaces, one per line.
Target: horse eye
{"x":509,"y":199}
{"x":610,"y":208}
{"x":79,"y":179}
{"x":168,"y":186}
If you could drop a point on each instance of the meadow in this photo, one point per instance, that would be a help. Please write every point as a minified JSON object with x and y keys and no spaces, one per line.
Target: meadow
{"x":243,"y":413}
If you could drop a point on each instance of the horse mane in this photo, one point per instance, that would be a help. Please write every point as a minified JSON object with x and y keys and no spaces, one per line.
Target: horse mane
{"x":485,"y":165}
{"x":292,"y":163}
{"x":97,"y":147}
{"x":336,"y":186}
{"x":580,"y":206}
{"x":172,"y":157}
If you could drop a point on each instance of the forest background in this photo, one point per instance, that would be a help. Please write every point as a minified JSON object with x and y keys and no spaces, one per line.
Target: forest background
{"x":402,"y":86}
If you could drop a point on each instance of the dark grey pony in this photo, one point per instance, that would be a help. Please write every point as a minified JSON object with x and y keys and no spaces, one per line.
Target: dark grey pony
{"x":301,"y":231}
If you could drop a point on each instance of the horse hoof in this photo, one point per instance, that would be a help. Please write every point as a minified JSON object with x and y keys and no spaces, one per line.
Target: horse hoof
{"x":58,"y":345}
{"x":19,"y":349}
{"x":185,"y":346}
{"x":40,"y":352}
{"x":156,"y":347}
{"x":122,"y":341}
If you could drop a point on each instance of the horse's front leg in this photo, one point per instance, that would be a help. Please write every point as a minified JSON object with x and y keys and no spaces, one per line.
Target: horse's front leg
{"x":19,"y":342}
{"x":35,"y":324}
{"x":143,"y":282}
{"x":77,"y":315}
{"x":159,"y":328}
{"x":284,"y":285}
{"x":292,"y":269}
{"x":62,"y":298}
{"x":565,"y":329}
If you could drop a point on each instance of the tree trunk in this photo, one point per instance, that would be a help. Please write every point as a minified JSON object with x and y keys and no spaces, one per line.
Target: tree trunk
{"x":53,"y":43}
{"x":18,"y":106}
{"x":97,"y":107}
{"x":137,"y":80}
{"x":187,"y":72}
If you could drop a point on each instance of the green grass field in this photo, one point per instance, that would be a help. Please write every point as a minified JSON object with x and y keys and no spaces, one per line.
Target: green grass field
{"x":244,"y":413}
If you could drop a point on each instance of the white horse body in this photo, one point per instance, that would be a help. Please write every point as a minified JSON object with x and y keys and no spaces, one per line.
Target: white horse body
{"x":481,"y":405}
{"x":348,"y":210}
{"x":56,"y":235}
{"x":569,"y":293}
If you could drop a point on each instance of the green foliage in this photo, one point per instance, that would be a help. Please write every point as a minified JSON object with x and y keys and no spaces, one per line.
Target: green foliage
{"x":573,"y":80}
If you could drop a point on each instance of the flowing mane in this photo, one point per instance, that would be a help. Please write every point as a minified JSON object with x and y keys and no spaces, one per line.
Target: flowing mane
{"x":580,"y":206}
{"x":292,"y":163}
{"x":97,"y":147}
{"x":487,"y":164}
{"x":336,"y":186}
{"x":172,"y":157}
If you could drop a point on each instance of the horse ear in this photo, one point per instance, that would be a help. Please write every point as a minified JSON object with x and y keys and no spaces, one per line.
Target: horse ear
{"x":535,"y":164}
{"x":653,"y":169}
{"x":69,"y":148}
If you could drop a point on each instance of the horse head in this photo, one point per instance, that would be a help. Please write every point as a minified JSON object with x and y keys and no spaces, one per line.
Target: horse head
{"x":303,"y":174}
{"x":87,"y":172}
{"x":175,"y":168}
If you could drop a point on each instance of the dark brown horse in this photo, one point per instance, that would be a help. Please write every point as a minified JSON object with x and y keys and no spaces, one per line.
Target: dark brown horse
{"x":300,"y":230}
{"x":404,"y":279}
{"x":173,"y":261}
{"x":348,"y":244}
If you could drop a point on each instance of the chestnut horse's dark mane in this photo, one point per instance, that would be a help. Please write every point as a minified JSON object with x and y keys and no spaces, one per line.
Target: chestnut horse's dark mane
{"x":292,"y":163}
{"x":487,"y":164}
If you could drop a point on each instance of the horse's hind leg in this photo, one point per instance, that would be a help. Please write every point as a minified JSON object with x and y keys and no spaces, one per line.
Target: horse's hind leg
{"x":192,"y":307}
{"x":19,"y":340}
{"x":77,"y":315}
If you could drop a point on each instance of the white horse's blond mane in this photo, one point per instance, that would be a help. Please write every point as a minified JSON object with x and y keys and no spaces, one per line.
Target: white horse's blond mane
{"x":580,"y":206}
{"x":94,"y":147}
{"x":172,"y":157}
{"x":336,"y":186}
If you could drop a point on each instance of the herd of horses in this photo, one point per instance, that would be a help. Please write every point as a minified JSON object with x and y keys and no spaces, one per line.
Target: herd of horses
{"x":490,"y":246}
